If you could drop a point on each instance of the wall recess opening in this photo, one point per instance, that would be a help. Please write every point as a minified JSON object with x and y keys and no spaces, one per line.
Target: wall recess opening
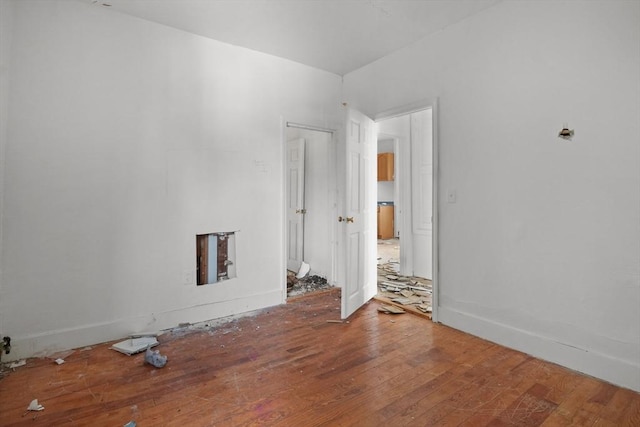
{"x":215,"y":257}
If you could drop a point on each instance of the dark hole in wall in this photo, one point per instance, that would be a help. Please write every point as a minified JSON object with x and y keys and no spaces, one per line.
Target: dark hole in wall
{"x":215,"y":257}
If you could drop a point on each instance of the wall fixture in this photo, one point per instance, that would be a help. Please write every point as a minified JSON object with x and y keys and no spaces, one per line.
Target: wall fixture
{"x":565,"y":133}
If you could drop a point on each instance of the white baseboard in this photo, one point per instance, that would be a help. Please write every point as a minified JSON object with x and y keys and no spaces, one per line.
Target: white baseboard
{"x":50,"y":342}
{"x":614,"y":370}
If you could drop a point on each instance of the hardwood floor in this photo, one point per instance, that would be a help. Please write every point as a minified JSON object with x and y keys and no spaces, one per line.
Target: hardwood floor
{"x":289,"y":366}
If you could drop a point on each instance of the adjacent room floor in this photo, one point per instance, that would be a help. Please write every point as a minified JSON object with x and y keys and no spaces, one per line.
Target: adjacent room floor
{"x":299,"y":365}
{"x":407,"y":293}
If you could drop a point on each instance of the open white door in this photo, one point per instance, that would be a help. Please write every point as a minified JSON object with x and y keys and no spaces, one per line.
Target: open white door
{"x":422,"y":192}
{"x":295,"y":203}
{"x":358,"y":226}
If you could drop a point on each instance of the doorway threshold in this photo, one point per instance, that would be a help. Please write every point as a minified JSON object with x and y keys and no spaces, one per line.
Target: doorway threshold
{"x":410,"y":293}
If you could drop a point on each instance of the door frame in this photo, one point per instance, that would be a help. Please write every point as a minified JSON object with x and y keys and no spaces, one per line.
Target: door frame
{"x":424,"y":104}
{"x":332,"y":172}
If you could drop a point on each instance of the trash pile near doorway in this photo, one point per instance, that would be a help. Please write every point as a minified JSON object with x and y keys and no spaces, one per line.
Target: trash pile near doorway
{"x":403,"y":293}
{"x":305,"y":285}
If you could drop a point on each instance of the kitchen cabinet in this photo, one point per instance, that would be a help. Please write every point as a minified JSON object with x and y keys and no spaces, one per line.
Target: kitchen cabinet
{"x":385,"y":167}
{"x":385,"y":221}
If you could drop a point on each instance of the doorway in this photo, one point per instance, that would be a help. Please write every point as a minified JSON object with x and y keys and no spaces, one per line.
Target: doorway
{"x":353,"y":267}
{"x":390,"y":133}
{"x":310,"y":191}
{"x":405,"y":209}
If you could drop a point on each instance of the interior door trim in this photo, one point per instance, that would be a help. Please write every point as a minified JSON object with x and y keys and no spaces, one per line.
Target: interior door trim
{"x":402,"y":110}
{"x":309,"y":127}
{"x":284,"y":124}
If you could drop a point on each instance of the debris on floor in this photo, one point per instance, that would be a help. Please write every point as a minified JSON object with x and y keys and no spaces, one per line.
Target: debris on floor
{"x":59,"y":361}
{"x":135,"y":344}
{"x":391,"y":309}
{"x":407,"y":295}
{"x":291,"y":279}
{"x":6,"y":345}
{"x":155,"y":358}
{"x":304,"y":269}
{"x":411,"y":293}
{"x":390,"y":267}
{"x":59,"y":355}
{"x":404,"y":300}
{"x":223,"y":325}
{"x":183,"y":328}
{"x":35,"y":406}
{"x":17,"y":364}
{"x":424,"y":308}
{"x":305,"y":285}
{"x":130,"y":424}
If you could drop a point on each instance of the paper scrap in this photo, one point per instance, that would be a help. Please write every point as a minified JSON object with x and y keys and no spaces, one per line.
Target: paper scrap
{"x":35,"y":406}
{"x":18,"y":364}
{"x":135,"y":345}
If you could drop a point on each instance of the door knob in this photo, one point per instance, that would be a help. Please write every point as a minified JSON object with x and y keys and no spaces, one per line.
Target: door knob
{"x":349,"y":219}
{"x":301,"y":211}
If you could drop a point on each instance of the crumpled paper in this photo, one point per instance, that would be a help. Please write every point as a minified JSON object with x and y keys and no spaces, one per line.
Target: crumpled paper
{"x":35,"y":406}
{"x":155,"y":358}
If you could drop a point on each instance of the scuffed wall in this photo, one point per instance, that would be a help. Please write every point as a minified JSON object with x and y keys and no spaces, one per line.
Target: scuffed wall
{"x":541,"y":250}
{"x":6,"y":24}
{"x":125,"y":139}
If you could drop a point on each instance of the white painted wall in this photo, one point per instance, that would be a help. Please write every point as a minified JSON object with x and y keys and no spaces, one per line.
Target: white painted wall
{"x":541,"y":251}
{"x":320,"y":193}
{"x":124,"y":140}
{"x":6,"y":14}
{"x":385,"y":145}
{"x":386,"y":189}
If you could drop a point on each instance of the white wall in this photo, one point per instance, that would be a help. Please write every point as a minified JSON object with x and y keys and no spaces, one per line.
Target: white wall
{"x":386,"y":189}
{"x":125,"y":139}
{"x":541,"y":250}
{"x":5,"y":46}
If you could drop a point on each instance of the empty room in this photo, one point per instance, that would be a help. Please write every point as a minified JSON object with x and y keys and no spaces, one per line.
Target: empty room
{"x":150,"y":208}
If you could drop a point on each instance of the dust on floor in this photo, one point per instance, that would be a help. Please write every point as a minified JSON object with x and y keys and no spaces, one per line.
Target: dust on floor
{"x":305,"y":285}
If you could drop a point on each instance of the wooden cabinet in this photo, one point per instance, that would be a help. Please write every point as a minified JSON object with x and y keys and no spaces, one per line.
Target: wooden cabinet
{"x":385,"y":221}
{"x":385,"y":167}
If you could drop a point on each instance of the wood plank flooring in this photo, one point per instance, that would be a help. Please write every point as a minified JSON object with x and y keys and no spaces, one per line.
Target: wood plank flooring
{"x":289,"y":366}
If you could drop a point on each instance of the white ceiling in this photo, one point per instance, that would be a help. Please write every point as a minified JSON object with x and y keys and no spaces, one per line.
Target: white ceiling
{"x":334,"y":35}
